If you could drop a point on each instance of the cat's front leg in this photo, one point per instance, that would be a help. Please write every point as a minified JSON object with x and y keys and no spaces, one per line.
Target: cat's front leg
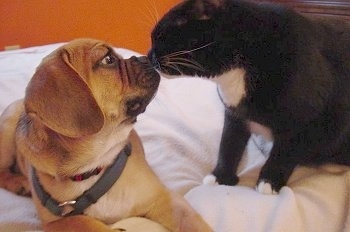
{"x":279,"y":166}
{"x":235,"y":136}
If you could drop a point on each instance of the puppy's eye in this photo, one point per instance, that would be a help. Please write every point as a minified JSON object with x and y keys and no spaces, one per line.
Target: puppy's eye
{"x":109,"y":59}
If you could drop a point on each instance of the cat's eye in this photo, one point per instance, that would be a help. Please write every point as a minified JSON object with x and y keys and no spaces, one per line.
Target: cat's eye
{"x":180,"y":21}
{"x":193,"y":42}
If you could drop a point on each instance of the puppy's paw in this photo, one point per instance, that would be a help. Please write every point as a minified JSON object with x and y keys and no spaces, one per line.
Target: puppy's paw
{"x":138,"y":224}
{"x":15,"y":183}
{"x":19,"y":185}
{"x":119,"y":229}
{"x":265,"y":187}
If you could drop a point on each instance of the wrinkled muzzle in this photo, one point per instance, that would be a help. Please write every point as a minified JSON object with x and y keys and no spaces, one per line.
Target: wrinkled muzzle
{"x":144,"y":79}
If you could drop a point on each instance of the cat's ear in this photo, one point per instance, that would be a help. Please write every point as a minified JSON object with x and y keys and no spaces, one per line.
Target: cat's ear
{"x":206,"y":8}
{"x":215,"y":3}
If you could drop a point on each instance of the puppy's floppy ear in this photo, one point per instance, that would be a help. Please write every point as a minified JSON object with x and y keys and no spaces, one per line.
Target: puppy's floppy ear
{"x":61,"y":99}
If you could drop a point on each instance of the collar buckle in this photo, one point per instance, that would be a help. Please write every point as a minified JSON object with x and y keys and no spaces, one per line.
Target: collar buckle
{"x":67,"y":207}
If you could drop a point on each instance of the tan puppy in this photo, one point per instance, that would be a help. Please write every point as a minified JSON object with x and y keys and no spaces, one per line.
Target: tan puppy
{"x":73,"y":137}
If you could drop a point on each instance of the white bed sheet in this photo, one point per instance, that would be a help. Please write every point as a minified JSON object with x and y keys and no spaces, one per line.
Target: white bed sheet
{"x":181,"y":131}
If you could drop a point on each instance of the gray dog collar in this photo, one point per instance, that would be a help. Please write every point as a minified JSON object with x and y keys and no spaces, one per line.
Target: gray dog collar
{"x":90,"y":196}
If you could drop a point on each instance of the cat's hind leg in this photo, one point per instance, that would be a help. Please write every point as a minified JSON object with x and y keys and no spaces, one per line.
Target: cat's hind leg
{"x":284,"y":157}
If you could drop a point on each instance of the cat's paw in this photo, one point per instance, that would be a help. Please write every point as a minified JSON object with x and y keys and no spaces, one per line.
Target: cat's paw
{"x":210,"y":180}
{"x":273,"y":177}
{"x":265,"y":187}
{"x":225,"y":178}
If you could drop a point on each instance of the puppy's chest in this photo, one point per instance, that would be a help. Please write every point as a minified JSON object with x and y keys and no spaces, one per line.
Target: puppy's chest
{"x":231,"y":86}
{"x":111,"y":207}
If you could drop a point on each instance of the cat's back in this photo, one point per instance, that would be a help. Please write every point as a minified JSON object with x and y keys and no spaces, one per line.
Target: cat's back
{"x":334,"y":29}
{"x":336,"y":41}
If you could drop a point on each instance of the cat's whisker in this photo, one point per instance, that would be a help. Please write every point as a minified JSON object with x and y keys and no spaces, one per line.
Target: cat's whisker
{"x":187,"y":61}
{"x":174,"y":67}
{"x":156,"y":13}
{"x":151,"y":8}
{"x":149,"y":69}
{"x":188,"y":66}
{"x":150,"y":19}
{"x":177,"y":63}
{"x":195,"y":63}
{"x":154,"y":18}
{"x":205,"y":45}
{"x":188,"y":51}
{"x":146,"y":24}
{"x":176,"y":53}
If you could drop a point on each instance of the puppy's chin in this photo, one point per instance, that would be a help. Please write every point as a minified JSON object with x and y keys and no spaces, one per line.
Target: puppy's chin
{"x":136,"y":106}
{"x":130,"y":120}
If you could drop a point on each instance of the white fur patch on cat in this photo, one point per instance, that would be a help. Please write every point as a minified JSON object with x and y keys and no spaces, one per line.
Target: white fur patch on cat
{"x":265,"y":188}
{"x":210,"y":180}
{"x":231,"y":86}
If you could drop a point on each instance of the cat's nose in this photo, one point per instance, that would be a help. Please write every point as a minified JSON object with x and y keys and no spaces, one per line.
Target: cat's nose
{"x":153,"y":58}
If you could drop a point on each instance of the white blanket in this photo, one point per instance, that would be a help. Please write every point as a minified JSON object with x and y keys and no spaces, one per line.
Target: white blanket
{"x":181,"y":131}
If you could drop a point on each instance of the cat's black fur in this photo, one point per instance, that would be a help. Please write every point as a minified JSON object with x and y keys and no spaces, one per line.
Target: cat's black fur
{"x":297,"y":79}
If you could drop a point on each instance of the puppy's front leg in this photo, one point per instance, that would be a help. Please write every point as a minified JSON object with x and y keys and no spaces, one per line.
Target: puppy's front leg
{"x":78,"y":223}
{"x":235,"y":136}
{"x":11,"y":179}
{"x":174,"y":213}
{"x":16,"y":183}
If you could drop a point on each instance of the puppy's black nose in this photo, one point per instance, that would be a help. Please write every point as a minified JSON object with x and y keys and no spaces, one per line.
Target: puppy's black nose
{"x":142,"y":73}
{"x":141,"y":59}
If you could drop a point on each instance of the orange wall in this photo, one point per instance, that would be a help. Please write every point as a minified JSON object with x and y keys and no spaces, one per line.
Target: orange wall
{"x":124,"y":23}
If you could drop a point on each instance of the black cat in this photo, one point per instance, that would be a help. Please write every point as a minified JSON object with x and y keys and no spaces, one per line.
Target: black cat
{"x":273,"y":66}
